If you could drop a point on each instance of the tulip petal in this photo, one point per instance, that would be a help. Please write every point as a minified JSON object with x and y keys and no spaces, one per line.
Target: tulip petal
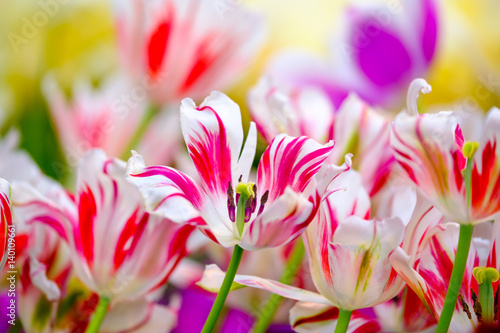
{"x":320,"y":318}
{"x":213,"y":277}
{"x":290,"y":162}
{"x":166,"y":191}
{"x":284,"y":220}
{"x":139,"y":316}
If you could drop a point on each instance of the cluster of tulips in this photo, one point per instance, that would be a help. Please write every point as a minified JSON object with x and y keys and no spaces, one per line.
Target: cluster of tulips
{"x":323,"y":213}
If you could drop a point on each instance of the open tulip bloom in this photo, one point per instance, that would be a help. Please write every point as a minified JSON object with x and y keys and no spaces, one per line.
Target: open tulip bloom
{"x":119,"y":251}
{"x":461,"y":177}
{"x":225,"y":206}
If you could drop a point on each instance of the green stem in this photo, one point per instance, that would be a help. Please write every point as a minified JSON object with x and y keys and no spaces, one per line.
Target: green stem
{"x":224,"y":290}
{"x":468,"y":182}
{"x":99,"y":314}
{"x":343,"y":321}
{"x":292,"y":267}
{"x":457,"y":275}
{"x":151,"y":111}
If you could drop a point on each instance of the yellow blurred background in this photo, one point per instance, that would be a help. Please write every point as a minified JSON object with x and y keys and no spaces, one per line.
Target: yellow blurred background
{"x":76,"y":38}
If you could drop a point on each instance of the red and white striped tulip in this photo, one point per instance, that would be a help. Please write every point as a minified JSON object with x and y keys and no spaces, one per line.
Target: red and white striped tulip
{"x":117,"y":248}
{"x":179,"y":48}
{"x":432,"y":150}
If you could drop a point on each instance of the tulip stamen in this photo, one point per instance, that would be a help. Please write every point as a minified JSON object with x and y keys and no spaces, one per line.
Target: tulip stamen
{"x":231,"y":206}
{"x":263,"y":201}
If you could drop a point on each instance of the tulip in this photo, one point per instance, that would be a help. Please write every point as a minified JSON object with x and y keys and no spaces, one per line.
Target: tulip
{"x":277,"y":208}
{"x":459,"y":174}
{"x":181,"y":48}
{"x":118,"y":250}
{"x":227,"y":207}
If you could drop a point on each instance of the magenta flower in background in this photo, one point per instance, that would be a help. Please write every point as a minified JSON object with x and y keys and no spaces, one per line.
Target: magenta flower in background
{"x":381,"y":48}
{"x":182,"y":48}
{"x":284,"y":198}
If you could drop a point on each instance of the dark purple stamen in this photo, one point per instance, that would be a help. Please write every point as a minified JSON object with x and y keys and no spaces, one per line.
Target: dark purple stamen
{"x":231,"y":207}
{"x":263,"y":201}
{"x":253,"y":204}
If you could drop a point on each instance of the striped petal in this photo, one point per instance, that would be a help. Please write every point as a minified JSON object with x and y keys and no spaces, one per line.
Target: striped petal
{"x":213,"y":277}
{"x":360,"y":250}
{"x":486,"y":171}
{"x":174,"y":195}
{"x":426,"y":147}
{"x":179,"y":48}
{"x":430,"y":275}
{"x":166,"y":192}
{"x":363,"y":131}
{"x":214,"y":137}
{"x":429,"y":147}
{"x":290,"y":162}
{"x":284,"y":220}
{"x":338,"y":205}
{"x":117,"y":248}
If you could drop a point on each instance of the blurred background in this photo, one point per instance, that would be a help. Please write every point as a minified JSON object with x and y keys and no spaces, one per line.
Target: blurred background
{"x":77,"y":39}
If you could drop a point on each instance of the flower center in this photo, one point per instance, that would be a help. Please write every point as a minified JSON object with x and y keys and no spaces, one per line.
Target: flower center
{"x":241,"y":209}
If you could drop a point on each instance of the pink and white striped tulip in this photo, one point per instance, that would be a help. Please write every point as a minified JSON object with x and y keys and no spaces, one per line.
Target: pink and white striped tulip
{"x":430,"y":148}
{"x":117,"y":248}
{"x":284,"y":198}
{"x":179,"y":48}
{"x":93,"y":118}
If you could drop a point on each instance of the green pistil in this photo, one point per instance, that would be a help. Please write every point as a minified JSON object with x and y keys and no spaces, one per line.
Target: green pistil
{"x":485,"y":276}
{"x":469,"y":148}
{"x":246,"y":192}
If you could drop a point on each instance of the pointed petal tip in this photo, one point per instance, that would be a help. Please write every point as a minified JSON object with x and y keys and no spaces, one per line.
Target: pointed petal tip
{"x":416,"y":87}
{"x":134,"y":164}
